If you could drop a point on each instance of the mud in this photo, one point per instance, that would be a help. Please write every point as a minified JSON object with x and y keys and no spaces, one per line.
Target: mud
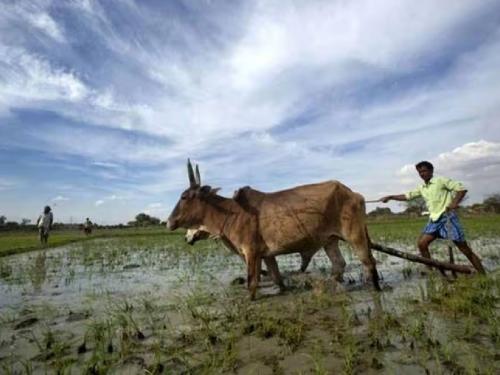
{"x":127,"y":306}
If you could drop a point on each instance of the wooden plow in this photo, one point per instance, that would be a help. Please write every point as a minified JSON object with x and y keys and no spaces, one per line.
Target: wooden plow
{"x":419,"y":259}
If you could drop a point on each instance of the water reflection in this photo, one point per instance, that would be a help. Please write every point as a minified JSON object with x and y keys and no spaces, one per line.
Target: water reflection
{"x":38,"y":271}
{"x":72,"y":272}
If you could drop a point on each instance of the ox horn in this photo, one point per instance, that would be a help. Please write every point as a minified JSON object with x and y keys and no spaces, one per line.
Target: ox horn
{"x":197,"y":175}
{"x":192,"y":180}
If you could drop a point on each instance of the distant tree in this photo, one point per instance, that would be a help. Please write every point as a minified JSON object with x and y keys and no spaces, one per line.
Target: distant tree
{"x":415,"y":206}
{"x":475,"y":208}
{"x":380,"y":211}
{"x":492,"y":203}
{"x":142,"y":220}
{"x":3,"y":219}
{"x":12,"y":224}
{"x":25,"y":221}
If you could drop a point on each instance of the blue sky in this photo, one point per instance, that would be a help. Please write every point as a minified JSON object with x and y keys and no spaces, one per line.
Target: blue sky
{"x":102,"y":102}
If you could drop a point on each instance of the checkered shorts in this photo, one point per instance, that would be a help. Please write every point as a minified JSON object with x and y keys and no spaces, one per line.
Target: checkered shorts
{"x":439,"y":228}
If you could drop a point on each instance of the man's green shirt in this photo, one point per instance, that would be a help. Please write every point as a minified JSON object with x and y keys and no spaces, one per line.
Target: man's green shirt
{"x":437,"y":193}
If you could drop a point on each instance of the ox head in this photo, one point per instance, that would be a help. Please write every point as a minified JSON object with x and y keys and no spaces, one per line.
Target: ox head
{"x":189,"y":211}
{"x":194,"y":235}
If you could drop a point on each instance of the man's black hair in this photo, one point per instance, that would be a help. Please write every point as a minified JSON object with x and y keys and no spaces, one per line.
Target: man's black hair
{"x":424,"y":164}
{"x":46,"y":210}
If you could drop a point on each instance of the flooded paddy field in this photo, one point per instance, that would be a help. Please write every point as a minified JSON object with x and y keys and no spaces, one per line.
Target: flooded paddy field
{"x":151,"y":304}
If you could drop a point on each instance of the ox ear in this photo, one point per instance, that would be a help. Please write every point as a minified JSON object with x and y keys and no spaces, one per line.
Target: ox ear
{"x":192,"y":180}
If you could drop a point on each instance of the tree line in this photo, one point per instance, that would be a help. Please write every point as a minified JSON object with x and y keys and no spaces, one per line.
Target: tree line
{"x":141,"y":220}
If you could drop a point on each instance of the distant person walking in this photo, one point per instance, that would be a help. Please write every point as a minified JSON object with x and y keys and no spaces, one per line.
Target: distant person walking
{"x":44,"y":224}
{"x":442,"y":196}
{"x":87,"y":227}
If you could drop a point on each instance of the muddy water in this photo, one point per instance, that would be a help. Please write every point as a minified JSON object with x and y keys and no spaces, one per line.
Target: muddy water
{"x":155,"y":304}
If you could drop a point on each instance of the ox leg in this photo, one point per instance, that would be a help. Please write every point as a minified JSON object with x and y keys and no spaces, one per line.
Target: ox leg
{"x":306,"y":259}
{"x":338,"y":263}
{"x":364,"y":253}
{"x":272,"y":266}
{"x":262,"y":271}
{"x":253,"y":271}
{"x":370,"y":267}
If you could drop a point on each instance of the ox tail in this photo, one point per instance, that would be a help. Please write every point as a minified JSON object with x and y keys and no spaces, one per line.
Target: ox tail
{"x":368,"y":239}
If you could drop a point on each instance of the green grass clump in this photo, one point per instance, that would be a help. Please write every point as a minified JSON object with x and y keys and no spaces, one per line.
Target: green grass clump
{"x":477,"y":296}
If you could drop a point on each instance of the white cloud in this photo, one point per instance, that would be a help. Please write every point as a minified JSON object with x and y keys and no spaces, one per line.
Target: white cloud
{"x":155,"y":205}
{"x":45,"y":23}
{"x":114,"y":197}
{"x":35,"y":14}
{"x":32,"y":78}
{"x":389,"y":35}
{"x":482,"y":151}
{"x":155,"y":209}
{"x":105,"y":164}
{"x":109,"y":198}
{"x":60,"y":198}
{"x":477,"y":164}
{"x":279,"y":55}
{"x":8,"y":183}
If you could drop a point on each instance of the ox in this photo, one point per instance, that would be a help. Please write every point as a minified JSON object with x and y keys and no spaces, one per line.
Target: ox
{"x":201,"y":233}
{"x":194,"y":235}
{"x":304,"y":217}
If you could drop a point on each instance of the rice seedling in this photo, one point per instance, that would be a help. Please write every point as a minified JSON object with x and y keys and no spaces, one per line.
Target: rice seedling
{"x":351,"y":353}
{"x":317,"y":358}
{"x":192,"y":320}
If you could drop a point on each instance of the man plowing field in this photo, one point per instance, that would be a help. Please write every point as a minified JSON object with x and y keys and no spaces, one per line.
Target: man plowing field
{"x":442,"y":196}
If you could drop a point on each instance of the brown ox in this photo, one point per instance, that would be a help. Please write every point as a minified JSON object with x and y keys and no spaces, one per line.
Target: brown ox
{"x":304,"y":217}
{"x":199,"y":234}
{"x":251,"y":200}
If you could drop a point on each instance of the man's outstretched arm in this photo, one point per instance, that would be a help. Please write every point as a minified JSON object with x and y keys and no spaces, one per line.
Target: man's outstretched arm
{"x":398,"y":197}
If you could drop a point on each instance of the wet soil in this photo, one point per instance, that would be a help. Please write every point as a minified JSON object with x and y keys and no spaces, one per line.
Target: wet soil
{"x":137,"y":305}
